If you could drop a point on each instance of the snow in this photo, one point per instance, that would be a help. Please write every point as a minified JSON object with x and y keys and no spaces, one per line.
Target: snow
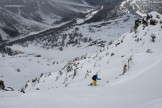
{"x":73,"y":3}
{"x":3,"y":34}
{"x":141,"y":14}
{"x":49,"y":19}
{"x":122,"y":4}
{"x":139,"y":87}
{"x":29,"y":64}
{"x":89,"y":16}
{"x":143,"y":91}
{"x":107,"y":30}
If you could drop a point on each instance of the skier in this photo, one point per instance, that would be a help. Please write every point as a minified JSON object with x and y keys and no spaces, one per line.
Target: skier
{"x":95,"y":78}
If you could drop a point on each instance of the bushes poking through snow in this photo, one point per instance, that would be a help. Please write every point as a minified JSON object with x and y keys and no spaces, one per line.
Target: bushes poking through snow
{"x":37,"y":55}
{"x":117,"y":44}
{"x":125,"y":69}
{"x":127,"y":66}
{"x":34,"y":80}
{"x":160,"y":22}
{"x":153,"y":37}
{"x":9,"y":51}
{"x":18,"y":70}
{"x":112,"y":54}
{"x":146,"y":21}
{"x":87,"y":74}
{"x":157,"y":16}
{"x":149,"y":51}
{"x":153,"y":22}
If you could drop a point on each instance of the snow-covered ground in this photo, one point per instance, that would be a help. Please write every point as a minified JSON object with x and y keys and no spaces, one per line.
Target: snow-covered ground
{"x":130,"y":69}
{"x":106,"y":30}
{"x":135,"y":91}
{"x":27,"y":66}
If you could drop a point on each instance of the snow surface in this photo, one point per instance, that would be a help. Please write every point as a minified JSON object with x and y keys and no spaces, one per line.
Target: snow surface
{"x":89,"y":16}
{"x":142,"y":91}
{"x":31,"y":66}
{"x":107,"y":30}
{"x":55,"y":60}
{"x":139,"y":87}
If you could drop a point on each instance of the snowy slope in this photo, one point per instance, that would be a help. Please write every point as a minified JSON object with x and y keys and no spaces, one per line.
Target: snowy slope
{"x":121,"y":57}
{"x":54,"y":54}
{"x":107,"y":30}
{"x":139,"y":86}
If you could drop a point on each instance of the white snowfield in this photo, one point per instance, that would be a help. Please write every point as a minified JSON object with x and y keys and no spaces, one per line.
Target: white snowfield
{"x":130,"y":69}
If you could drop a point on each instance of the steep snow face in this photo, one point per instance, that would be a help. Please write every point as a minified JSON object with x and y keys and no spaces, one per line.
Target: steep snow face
{"x":142,"y":6}
{"x":130,"y":57}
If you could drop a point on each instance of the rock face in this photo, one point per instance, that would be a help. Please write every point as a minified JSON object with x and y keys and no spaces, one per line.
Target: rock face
{"x":2,"y":86}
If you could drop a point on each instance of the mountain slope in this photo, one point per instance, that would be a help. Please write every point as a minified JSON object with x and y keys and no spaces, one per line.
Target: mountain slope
{"x":44,"y":10}
{"x":12,"y":25}
{"x":130,"y":69}
{"x":51,"y":12}
{"x":19,"y":17}
{"x":128,"y":57}
{"x":56,"y":47}
{"x":142,"y":91}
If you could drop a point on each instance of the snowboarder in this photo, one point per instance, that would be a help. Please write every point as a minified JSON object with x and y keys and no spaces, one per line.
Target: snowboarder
{"x":95,"y":78}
